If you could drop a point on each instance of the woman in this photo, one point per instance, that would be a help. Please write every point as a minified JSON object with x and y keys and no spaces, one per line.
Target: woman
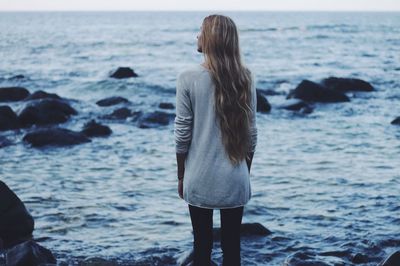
{"x":216,"y":135}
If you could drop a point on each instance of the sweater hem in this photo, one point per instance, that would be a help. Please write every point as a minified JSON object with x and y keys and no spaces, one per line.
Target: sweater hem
{"x":216,"y":207}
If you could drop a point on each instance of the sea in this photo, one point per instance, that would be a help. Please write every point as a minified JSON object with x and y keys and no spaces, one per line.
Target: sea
{"x":326,"y":184}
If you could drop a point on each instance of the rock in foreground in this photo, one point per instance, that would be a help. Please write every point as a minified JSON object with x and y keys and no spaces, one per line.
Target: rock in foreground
{"x":312,"y":92}
{"x":124,"y":72}
{"x":55,"y":137}
{"x":94,"y":129}
{"x":13,"y":94}
{"x":29,"y":253}
{"x":8,"y":119}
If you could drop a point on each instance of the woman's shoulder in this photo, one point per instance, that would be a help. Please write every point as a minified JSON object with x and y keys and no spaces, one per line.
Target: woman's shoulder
{"x":190,"y":71}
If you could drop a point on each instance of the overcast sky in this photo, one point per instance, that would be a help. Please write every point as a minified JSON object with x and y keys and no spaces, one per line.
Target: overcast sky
{"x":330,"y":5}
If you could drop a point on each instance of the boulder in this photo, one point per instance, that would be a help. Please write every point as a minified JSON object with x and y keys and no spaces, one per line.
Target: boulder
{"x":262,"y":103}
{"x":41,"y":95}
{"x":112,"y":101}
{"x":8,"y":119}
{"x":13,"y":94}
{"x":94,"y":129}
{"x":297,"y":105}
{"x":4,"y":142}
{"x":120,"y":113}
{"x":55,"y":137}
{"x":392,"y":260}
{"x":166,"y":106}
{"x":16,"y":223}
{"x":154,"y":119}
{"x":346,"y":84}
{"x":359,"y":258}
{"x":396,"y":121}
{"x":29,"y":253}
{"x":123,"y":72}
{"x":312,"y":92}
{"x":45,"y":111}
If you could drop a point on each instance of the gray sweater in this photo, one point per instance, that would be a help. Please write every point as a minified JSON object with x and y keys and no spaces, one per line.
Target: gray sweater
{"x":210,"y":179}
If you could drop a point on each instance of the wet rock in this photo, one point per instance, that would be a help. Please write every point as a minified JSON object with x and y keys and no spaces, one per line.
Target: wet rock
{"x":359,"y":258}
{"x":16,"y":223}
{"x":29,"y":253}
{"x":120,"y":113}
{"x":41,"y":95}
{"x":269,"y":92}
{"x":337,"y":253}
{"x":17,"y":77}
{"x":392,"y":260}
{"x":94,"y":129}
{"x":4,"y":142}
{"x":396,"y":121}
{"x":97,"y":262}
{"x":45,"y":111}
{"x":154,"y":119}
{"x":312,"y":92}
{"x":263,"y":105}
{"x":55,"y":137}
{"x":297,"y":105}
{"x":112,"y":101}
{"x":12,"y":94}
{"x":246,"y":230}
{"x":166,"y":106}
{"x":123,"y":72}
{"x":187,"y":259}
{"x":8,"y":119}
{"x":346,"y":84}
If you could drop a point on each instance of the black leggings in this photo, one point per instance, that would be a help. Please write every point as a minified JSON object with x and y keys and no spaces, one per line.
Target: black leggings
{"x":202,"y":223}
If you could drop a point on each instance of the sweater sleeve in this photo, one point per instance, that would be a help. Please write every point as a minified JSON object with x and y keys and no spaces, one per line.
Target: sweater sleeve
{"x":253,"y":123}
{"x":184,"y":117}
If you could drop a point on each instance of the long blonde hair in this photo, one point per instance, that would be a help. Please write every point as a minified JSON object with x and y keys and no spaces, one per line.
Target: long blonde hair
{"x":220,"y":45}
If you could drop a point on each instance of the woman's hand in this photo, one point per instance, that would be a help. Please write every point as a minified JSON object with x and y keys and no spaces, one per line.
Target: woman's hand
{"x":180,"y":188}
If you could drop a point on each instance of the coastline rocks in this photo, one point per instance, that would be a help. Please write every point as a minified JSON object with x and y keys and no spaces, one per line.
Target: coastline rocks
{"x":346,"y":84}
{"x":123,"y":72}
{"x":297,"y":105}
{"x":29,"y":253}
{"x":46,"y":111}
{"x":112,"y":101}
{"x":8,"y":119}
{"x":396,"y":121}
{"x":166,"y":105}
{"x":16,"y":223}
{"x":263,"y":105}
{"x":56,"y":137}
{"x":94,"y":129}
{"x":312,"y":92}
{"x":392,"y":260}
{"x":120,"y":113}
{"x":41,"y":95}
{"x":154,"y":119}
{"x":246,"y":230}
{"x":13,"y":94}
{"x":4,"y":142}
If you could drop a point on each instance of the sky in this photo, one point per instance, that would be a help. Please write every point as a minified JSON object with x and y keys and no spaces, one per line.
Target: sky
{"x":281,"y":5}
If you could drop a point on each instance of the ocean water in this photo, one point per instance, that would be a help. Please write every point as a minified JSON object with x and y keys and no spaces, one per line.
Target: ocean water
{"x":326,"y":184}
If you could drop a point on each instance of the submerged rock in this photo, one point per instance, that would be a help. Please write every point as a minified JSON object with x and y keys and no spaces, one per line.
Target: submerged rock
{"x":123,"y":72}
{"x":19,"y":76}
{"x":269,"y":92}
{"x":4,"y":142}
{"x":46,"y":111}
{"x":55,"y":137}
{"x":396,"y":121}
{"x":359,"y":258}
{"x":29,"y":253}
{"x":154,"y":119}
{"x":120,"y":113}
{"x":112,"y":101}
{"x":346,"y":84}
{"x":16,"y":223}
{"x":263,"y":105}
{"x":312,"y":92}
{"x":8,"y":119}
{"x":297,"y":105}
{"x":97,"y":262}
{"x":392,"y":260}
{"x":166,"y":106}
{"x":94,"y":129}
{"x":41,"y":95}
{"x":13,"y":94}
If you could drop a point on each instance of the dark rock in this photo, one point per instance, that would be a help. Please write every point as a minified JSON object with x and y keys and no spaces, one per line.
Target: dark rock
{"x":347,"y":84}
{"x":8,"y":119}
{"x":269,"y":92}
{"x":166,"y":106}
{"x":336,"y":253}
{"x":262,"y":103}
{"x":154,"y":119}
{"x":46,"y":111}
{"x":13,"y":94}
{"x":16,"y":224}
{"x":4,"y":142}
{"x":42,"y":94}
{"x":17,"y":77}
{"x":392,"y":260}
{"x":112,"y":101}
{"x":97,"y":262}
{"x":94,"y":129}
{"x":120,"y":113}
{"x":297,"y":105}
{"x":396,"y":121}
{"x":359,"y":258}
{"x":55,"y":137}
{"x":187,"y":259}
{"x":123,"y":72}
{"x":246,"y":230}
{"x":29,"y":253}
{"x":312,"y":92}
